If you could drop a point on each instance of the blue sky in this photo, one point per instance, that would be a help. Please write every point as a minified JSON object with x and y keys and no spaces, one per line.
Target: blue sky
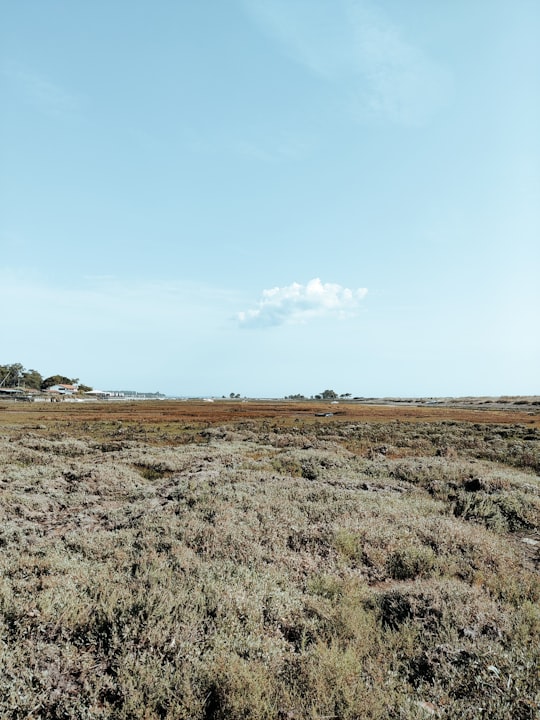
{"x":272,"y":196}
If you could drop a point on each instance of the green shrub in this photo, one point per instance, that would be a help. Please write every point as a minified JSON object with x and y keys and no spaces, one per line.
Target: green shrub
{"x":411,"y":562}
{"x":506,"y":511}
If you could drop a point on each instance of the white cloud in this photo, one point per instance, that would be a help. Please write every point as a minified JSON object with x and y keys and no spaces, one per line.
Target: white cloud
{"x":352,"y":44}
{"x":298,"y":303}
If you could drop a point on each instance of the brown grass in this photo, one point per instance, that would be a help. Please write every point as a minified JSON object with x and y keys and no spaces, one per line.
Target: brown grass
{"x":223,"y":411}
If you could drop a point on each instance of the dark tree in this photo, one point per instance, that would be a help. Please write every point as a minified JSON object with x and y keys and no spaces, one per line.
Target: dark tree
{"x":329,"y":395}
{"x":32,"y":379}
{"x":11,"y":375}
{"x":58,"y":380}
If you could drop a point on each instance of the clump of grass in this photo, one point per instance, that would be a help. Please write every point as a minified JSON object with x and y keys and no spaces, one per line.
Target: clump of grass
{"x":411,"y":562}
{"x":505,"y":511}
{"x":153,"y":472}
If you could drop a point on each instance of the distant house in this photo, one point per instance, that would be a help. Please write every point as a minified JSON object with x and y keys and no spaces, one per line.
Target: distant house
{"x":98,"y":393}
{"x":18,"y":393}
{"x":124,"y":395}
{"x":63,"y":389}
{"x":10,"y":392}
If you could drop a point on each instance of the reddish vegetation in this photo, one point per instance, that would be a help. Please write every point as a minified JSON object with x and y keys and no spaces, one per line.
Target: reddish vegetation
{"x":226,"y":411}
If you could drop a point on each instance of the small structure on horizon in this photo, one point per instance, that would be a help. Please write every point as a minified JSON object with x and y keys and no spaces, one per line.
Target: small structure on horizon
{"x":61,"y":389}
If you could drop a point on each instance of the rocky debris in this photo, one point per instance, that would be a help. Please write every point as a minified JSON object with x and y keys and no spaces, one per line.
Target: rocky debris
{"x":429,"y":709}
{"x":529,"y":549}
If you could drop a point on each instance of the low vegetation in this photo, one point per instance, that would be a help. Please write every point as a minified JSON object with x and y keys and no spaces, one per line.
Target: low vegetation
{"x":300,"y":569}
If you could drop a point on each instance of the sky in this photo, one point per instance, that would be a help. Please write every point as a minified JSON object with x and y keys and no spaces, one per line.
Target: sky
{"x":272,"y":197}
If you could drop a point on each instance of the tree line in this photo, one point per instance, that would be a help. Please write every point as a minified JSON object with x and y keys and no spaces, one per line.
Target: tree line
{"x":16,"y":375}
{"x":325,"y":395}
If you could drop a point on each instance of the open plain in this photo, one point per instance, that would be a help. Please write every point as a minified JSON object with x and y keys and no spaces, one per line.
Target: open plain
{"x":261,"y":559}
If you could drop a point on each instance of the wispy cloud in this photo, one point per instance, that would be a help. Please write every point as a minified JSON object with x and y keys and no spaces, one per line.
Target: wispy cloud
{"x":107,"y":304}
{"x":148,"y":334}
{"x":272,"y":151}
{"x":261,"y":145}
{"x":355,"y":45}
{"x":42,"y":92}
{"x":298,"y":303}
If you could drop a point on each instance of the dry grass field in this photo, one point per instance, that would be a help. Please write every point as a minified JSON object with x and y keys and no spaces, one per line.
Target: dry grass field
{"x":190,"y":560}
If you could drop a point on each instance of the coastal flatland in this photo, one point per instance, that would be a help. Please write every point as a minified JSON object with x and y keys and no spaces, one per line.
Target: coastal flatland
{"x":224,"y":411}
{"x":270,"y":560}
